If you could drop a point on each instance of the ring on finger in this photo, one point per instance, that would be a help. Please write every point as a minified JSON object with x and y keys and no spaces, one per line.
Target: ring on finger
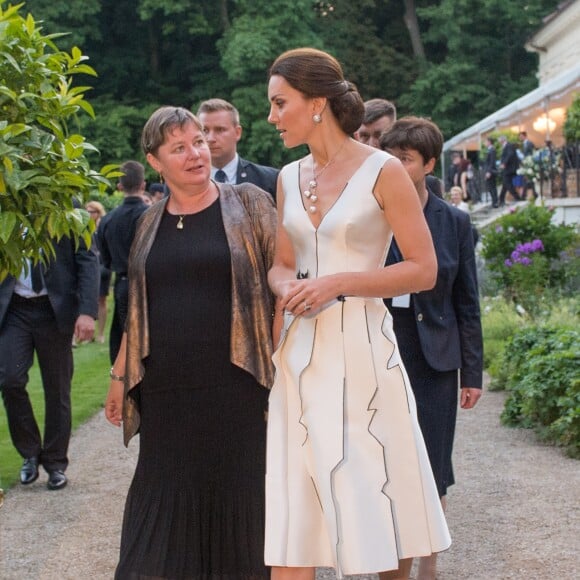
{"x":307,"y":307}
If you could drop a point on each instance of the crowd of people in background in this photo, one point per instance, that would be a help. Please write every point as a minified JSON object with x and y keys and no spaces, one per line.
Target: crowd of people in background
{"x":254,"y":304}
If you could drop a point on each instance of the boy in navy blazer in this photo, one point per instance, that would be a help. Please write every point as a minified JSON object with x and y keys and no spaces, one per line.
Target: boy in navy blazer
{"x":438,"y":331}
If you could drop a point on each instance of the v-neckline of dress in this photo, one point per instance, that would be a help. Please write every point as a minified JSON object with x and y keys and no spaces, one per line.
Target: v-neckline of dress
{"x":338,"y":198}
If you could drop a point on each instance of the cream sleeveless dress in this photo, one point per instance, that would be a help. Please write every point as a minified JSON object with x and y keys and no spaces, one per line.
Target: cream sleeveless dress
{"x":348,"y":481}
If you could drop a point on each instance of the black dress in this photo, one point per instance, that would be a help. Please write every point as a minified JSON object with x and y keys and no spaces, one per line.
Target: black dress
{"x":195,"y":508}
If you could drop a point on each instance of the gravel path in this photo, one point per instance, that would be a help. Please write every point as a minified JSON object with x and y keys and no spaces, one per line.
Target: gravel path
{"x":515,"y":512}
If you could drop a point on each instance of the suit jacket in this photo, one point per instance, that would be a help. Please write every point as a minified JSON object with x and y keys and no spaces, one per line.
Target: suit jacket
{"x":261,"y":175}
{"x":509,"y":159}
{"x":72,"y":280}
{"x":489,"y":165}
{"x":447,"y":316}
{"x":527,"y":147}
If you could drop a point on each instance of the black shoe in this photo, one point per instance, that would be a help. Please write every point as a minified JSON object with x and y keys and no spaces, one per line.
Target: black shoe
{"x":56,"y":480}
{"x":29,"y":470}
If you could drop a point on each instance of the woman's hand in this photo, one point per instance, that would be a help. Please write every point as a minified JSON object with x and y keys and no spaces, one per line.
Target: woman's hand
{"x":308,"y":295}
{"x":114,"y":403}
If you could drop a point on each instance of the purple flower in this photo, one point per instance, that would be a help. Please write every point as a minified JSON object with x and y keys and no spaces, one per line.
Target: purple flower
{"x":525,"y":261}
{"x":515,"y":255}
{"x":537,"y":246}
{"x":513,"y":209}
{"x":498,"y":229}
{"x":508,"y":263}
{"x":524,"y":248}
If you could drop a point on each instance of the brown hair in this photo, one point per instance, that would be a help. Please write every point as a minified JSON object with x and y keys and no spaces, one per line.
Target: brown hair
{"x":133,"y":176}
{"x":162,"y":122}
{"x":378,"y":108}
{"x":215,"y":105}
{"x":316,"y":73}
{"x":415,"y":133}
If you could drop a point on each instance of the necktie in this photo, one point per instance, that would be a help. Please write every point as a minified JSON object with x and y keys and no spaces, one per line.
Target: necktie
{"x":36,"y":277}
{"x":220,"y":176}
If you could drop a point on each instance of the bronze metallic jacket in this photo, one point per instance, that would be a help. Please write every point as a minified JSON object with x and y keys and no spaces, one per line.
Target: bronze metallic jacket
{"x":249,"y":217}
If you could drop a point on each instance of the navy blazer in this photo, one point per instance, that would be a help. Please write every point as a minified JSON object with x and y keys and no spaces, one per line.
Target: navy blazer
{"x":448,"y":316}
{"x":489,"y":165}
{"x":261,"y":175}
{"x":72,"y":280}
{"x":509,"y":159}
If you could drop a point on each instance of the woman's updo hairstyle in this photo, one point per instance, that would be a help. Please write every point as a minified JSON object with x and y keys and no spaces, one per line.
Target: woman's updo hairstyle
{"x":316,"y":73}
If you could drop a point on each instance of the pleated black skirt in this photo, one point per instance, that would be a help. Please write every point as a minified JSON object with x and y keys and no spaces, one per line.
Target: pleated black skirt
{"x":195,"y":508}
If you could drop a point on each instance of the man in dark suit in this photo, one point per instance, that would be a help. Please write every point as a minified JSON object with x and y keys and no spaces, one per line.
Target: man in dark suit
{"x":114,"y":236}
{"x":40,"y":311}
{"x":221,"y":121}
{"x":438,"y":331}
{"x":490,"y":170}
{"x":527,"y":146}
{"x":527,"y":149}
{"x":379,"y":116}
{"x":509,"y":164}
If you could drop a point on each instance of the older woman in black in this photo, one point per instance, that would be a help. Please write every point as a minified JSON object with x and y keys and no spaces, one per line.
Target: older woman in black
{"x":196,"y":367}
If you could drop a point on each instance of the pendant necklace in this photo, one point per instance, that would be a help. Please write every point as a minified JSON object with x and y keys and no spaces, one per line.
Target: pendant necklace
{"x":180,"y":222}
{"x":310,"y":193}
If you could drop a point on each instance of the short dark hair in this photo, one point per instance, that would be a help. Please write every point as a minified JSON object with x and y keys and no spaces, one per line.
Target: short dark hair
{"x":133,"y":176}
{"x":156,"y":187}
{"x":215,"y":105}
{"x":415,"y":133}
{"x":316,"y":73}
{"x":377,"y":108}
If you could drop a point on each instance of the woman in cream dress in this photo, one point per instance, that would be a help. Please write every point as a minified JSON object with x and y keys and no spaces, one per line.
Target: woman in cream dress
{"x":348,"y":479}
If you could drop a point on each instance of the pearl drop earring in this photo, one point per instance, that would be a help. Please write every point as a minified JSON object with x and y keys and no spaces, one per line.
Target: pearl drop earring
{"x":317,"y":118}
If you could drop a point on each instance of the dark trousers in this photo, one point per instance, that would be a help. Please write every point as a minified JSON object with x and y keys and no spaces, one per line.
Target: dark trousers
{"x":491,"y":187}
{"x":29,"y":327}
{"x":507,"y":184}
{"x":121,"y":295}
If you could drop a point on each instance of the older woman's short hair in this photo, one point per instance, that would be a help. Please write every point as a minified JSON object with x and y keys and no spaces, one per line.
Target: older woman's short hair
{"x":163,"y":121}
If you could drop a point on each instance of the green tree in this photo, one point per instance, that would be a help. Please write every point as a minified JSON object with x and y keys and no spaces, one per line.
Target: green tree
{"x":247,"y":50}
{"x":44,"y":168}
{"x":477,"y":60}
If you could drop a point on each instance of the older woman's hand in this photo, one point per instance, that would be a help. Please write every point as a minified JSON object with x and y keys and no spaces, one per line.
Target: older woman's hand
{"x":114,"y":403}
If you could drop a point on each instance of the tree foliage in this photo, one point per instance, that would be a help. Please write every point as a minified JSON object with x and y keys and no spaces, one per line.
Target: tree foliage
{"x":44,"y":167}
{"x":477,"y":62}
{"x":153,"y":52}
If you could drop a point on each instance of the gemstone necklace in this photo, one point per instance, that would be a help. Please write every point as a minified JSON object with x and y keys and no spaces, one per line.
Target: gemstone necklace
{"x":310,"y":193}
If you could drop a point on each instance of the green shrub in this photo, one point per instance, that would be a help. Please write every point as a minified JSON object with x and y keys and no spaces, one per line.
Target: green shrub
{"x":45,"y":172}
{"x":527,"y":254}
{"x":499,"y":321}
{"x":109,"y":201}
{"x":541,"y":368}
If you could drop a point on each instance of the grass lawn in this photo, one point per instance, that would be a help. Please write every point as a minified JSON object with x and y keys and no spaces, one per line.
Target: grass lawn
{"x":89,"y":388}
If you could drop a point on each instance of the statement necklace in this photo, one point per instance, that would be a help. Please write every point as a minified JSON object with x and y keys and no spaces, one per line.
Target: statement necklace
{"x":310,"y":193}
